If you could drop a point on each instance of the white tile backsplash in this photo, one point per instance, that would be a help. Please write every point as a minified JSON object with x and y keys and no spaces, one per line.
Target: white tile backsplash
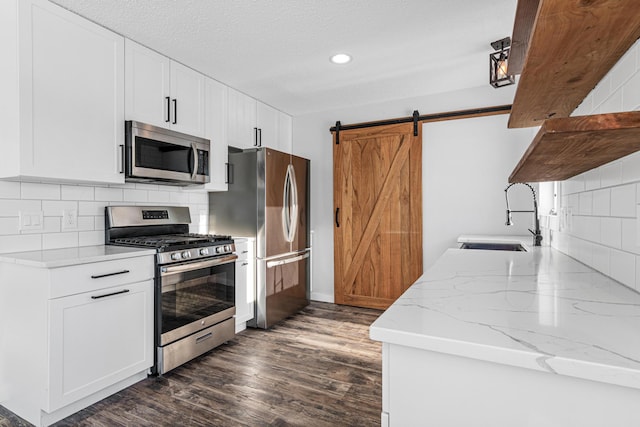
{"x":623,"y":267}
{"x":60,"y":240}
{"x":585,"y":203}
{"x":601,"y":258}
{"x":55,"y":207}
{"x":611,"y":232}
{"x":611,"y":174}
{"x":77,"y":192}
{"x":89,"y":201}
{"x":9,"y":225}
{"x":630,"y":92}
{"x":10,"y":207}
{"x":31,"y":190}
{"x":135,"y":195}
{"x":630,"y":236}
{"x":613,"y":189}
{"x":9,"y":190}
{"x":602,"y":202}
{"x":631,"y":168}
{"x":623,"y":201}
{"x":108,"y":194}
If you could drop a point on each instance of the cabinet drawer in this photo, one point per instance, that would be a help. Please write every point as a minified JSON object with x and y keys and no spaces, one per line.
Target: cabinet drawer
{"x":98,"y":275}
{"x":244,"y":249}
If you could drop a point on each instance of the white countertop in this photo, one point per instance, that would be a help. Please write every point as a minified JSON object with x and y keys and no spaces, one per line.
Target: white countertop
{"x":53,"y":258}
{"x":540,"y":310}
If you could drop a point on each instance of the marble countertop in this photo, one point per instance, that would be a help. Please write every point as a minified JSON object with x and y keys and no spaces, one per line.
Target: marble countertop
{"x":540,"y":310}
{"x":53,"y":258}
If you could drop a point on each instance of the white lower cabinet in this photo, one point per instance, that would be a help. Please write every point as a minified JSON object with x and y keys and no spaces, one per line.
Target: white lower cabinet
{"x":245,"y":281}
{"x":73,"y":335}
{"x":97,"y":339}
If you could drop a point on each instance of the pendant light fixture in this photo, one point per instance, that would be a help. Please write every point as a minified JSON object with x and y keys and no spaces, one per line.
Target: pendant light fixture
{"x":499,"y":64}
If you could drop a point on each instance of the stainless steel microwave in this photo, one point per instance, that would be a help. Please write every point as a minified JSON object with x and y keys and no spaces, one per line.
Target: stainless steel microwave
{"x":162,"y":156}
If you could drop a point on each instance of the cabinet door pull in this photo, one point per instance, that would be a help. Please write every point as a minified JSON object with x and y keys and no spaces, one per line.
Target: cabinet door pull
{"x":245,"y":252}
{"x":168,"y":99}
{"x":255,"y":137}
{"x":226,"y":173}
{"x":338,"y":217}
{"x":121,"y":158}
{"x":245,"y":263}
{"x":100,"y":276}
{"x":175,"y":111}
{"x":124,"y":291}
{"x":259,"y":137}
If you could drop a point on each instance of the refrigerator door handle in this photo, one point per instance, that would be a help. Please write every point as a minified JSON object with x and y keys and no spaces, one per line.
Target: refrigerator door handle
{"x":271,"y":264}
{"x":290,"y":205}
{"x":293,"y":211}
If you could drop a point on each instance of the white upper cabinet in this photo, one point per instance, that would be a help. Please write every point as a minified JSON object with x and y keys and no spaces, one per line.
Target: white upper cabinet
{"x":267,"y":124}
{"x":62,"y":79}
{"x":216,"y":131}
{"x":241,"y":120}
{"x":162,"y":92}
{"x":252,"y":124}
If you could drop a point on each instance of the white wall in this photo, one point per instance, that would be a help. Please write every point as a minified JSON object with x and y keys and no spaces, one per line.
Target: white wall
{"x":466,"y":164}
{"x":313,"y":140}
{"x":599,"y":214}
{"x":89,"y":201}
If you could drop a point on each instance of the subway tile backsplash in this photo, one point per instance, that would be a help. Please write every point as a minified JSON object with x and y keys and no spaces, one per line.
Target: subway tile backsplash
{"x":600,"y":209}
{"x":89,"y":201}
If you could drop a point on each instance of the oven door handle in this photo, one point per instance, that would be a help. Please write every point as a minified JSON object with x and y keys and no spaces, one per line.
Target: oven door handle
{"x":172,"y":269}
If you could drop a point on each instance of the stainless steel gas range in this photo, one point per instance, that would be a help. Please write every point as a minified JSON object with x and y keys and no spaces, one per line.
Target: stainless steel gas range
{"x":194,"y":281}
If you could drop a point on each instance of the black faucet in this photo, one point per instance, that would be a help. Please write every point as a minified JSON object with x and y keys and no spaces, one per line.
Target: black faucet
{"x":537,"y":235}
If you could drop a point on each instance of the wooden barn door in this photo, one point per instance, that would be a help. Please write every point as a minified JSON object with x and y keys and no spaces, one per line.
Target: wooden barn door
{"x":377,"y":197}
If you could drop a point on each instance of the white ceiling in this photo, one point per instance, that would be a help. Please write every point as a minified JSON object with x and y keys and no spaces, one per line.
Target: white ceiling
{"x":278,"y":50}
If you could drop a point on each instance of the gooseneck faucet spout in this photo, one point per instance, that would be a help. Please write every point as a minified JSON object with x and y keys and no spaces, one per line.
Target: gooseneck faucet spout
{"x":537,"y":234}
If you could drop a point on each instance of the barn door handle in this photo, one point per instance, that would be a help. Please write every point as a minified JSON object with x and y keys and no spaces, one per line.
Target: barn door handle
{"x":337,"y":217}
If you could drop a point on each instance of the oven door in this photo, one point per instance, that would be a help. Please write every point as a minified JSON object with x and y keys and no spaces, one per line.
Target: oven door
{"x":193,"y":296}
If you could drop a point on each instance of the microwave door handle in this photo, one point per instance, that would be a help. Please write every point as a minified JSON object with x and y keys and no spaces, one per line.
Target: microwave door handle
{"x":194,"y":153}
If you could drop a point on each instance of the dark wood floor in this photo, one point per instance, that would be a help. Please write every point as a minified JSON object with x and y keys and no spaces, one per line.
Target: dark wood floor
{"x":317,"y":368}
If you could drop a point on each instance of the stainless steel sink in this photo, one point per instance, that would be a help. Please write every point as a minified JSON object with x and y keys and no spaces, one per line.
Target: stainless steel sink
{"x":494,"y":246}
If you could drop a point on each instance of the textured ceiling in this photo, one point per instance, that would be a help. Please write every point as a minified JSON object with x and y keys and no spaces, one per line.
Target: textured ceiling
{"x":278,"y":51}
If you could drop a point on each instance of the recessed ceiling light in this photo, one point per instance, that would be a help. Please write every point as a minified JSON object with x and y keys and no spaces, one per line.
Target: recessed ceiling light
{"x":341,"y":58}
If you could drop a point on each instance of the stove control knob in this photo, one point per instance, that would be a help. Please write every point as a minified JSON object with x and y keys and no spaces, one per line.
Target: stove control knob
{"x":219,"y":249}
{"x":227,"y":248}
{"x":176,"y":256}
{"x":186,"y":254}
{"x":204,"y":251}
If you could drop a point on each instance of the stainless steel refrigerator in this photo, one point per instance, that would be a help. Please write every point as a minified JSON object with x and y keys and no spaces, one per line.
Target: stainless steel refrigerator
{"x":268,"y":199}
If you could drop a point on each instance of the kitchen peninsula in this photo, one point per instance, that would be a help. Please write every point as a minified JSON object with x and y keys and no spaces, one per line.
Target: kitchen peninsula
{"x":515,"y":338}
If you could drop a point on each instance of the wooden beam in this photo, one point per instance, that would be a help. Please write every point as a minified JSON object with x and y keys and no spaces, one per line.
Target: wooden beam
{"x":566,"y":147}
{"x":573,"y":46}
